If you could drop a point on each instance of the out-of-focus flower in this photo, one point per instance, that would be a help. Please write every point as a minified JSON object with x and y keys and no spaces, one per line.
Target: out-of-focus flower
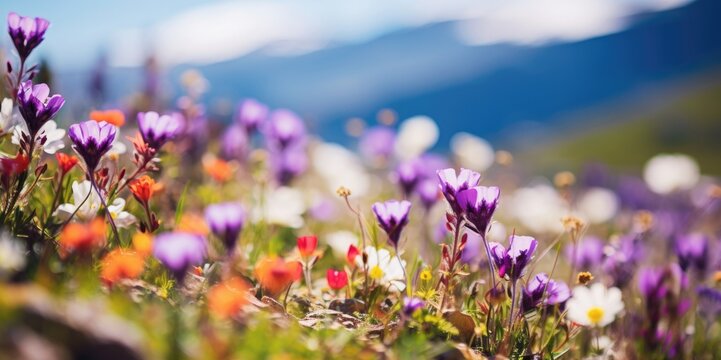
{"x":7,"y":118}
{"x":307,"y":245}
{"x":121,"y":264}
{"x":407,"y":175}
{"x":709,"y":303}
{"x":340,"y":167}
{"x":235,"y":143}
{"x":478,"y":205}
{"x":251,"y":115}
{"x":656,"y":283}
{"x":194,"y":224}
{"x":513,"y":261}
{"x":226,"y":220}
{"x":386,"y":270}
{"x":339,"y":241}
{"x":471,"y":253}
{"x":283,"y":206}
{"x":142,"y":188}
{"x":598,"y":205}
{"x":288,"y":164}
{"x":158,"y":129}
{"x":392,"y":217}
{"x":411,"y":305}
{"x":428,"y":193}
{"x":65,"y":162}
{"x":13,"y":166}
{"x":415,"y":136}
{"x":596,"y":306}
{"x":284,"y":129}
{"x":114,"y":117}
{"x":37,"y":106}
{"x":143,"y":244}
{"x":451,"y":184}
{"x":92,"y":140}
{"x":692,"y":251}
{"x":179,"y":251}
{"x":472,"y":152}
{"x":665,"y":173}
{"x":588,"y":253}
{"x":323,"y":209}
{"x":82,"y":238}
{"x":26,"y":32}
{"x":227,"y":298}
{"x":276,"y":274}
{"x":542,"y":290}
{"x":337,"y":279}
{"x":351,"y":255}
{"x":90,"y":207}
{"x":377,"y":143}
{"x":220,"y":170}
{"x":539,"y":208}
{"x":50,"y":137}
{"x":12,"y":254}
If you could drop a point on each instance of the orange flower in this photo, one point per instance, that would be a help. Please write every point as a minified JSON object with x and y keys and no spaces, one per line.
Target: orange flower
{"x":113,"y":116}
{"x":218,"y":169}
{"x":121,"y":264}
{"x":227,"y":298}
{"x":143,"y":244}
{"x":194,"y":224}
{"x":275,"y":274}
{"x":65,"y":162}
{"x":76,"y":237}
{"x":142,"y":188}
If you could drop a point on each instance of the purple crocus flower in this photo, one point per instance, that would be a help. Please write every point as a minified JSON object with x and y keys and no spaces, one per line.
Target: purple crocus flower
{"x":478,"y":204}
{"x":411,"y":305}
{"x":37,"y":106}
{"x":226,"y":220}
{"x":235,"y":142}
{"x":555,"y":292}
{"x":178,"y":251}
{"x":377,"y":143}
{"x":691,"y":250}
{"x":284,"y":129}
{"x":513,"y":261}
{"x":288,"y":163}
{"x":427,"y":191}
{"x":92,"y":139}
{"x":392,"y":217}
{"x":251,"y":115}
{"x":26,"y":32}
{"x":158,"y":129}
{"x":407,"y":175}
{"x":588,"y":253}
{"x":451,"y":184}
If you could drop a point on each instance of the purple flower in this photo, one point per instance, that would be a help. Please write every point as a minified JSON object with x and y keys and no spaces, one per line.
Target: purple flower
{"x":478,"y":204}
{"x":407,"y":175}
{"x":378,"y":143}
{"x":691,"y":250}
{"x":26,"y":32}
{"x":226,"y":221}
{"x":251,"y":115}
{"x":178,"y":251}
{"x":655,"y":283}
{"x":235,"y":142}
{"x":392,"y":217}
{"x":588,"y":253}
{"x":709,"y":303}
{"x":284,"y":129}
{"x":158,"y":129}
{"x":451,"y":184}
{"x":513,"y":261}
{"x":427,"y":191}
{"x":411,"y":305}
{"x":555,"y":292}
{"x":37,"y":106}
{"x":92,"y":139}
{"x":288,"y":163}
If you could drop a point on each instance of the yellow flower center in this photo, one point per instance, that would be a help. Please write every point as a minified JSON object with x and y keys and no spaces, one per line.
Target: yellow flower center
{"x":376,"y":273}
{"x":595,"y":314}
{"x":426,"y":275}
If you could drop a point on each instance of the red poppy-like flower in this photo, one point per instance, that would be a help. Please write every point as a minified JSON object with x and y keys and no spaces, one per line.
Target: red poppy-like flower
{"x":337,"y":279}
{"x":353,"y":252}
{"x":275,"y":274}
{"x":307,"y":245}
{"x":65,"y":162}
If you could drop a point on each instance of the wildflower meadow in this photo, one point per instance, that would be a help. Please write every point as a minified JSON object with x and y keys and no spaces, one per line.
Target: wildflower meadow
{"x":160,"y":234}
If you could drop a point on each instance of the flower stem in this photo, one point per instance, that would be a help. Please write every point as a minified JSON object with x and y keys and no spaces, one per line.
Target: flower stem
{"x":107,"y":210}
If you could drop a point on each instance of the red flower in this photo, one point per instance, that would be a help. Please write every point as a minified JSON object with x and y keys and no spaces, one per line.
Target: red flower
{"x":353,"y":252}
{"x":275,"y":274}
{"x":14,"y":166}
{"x":337,"y":279}
{"x":143,"y":188}
{"x":307,"y":245}
{"x":65,"y":162}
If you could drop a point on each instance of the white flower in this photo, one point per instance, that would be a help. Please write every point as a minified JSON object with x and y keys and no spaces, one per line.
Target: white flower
{"x":340,"y":167}
{"x":383,"y":268}
{"x":538,"y":208}
{"x":118,"y":148}
{"x":340,"y":241}
{"x":598,"y":205}
{"x":596,"y":306}
{"x":12,"y":254}
{"x":665,"y":173}
{"x":89,"y":209}
{"x":472,"y":152}
{"x":7,"y":118}
{"x":54,"y":136}
{"x":415,"y":136}
{"x":282,"y":206}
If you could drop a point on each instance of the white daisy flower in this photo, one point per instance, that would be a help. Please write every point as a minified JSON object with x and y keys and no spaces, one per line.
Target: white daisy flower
{"x":7,"y":118}
{"x":384,"y":268}
{"x":54,"y":136}
{"x":89,"y":209}
{"x":12,"y":254}
{"x":596,"y":306}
